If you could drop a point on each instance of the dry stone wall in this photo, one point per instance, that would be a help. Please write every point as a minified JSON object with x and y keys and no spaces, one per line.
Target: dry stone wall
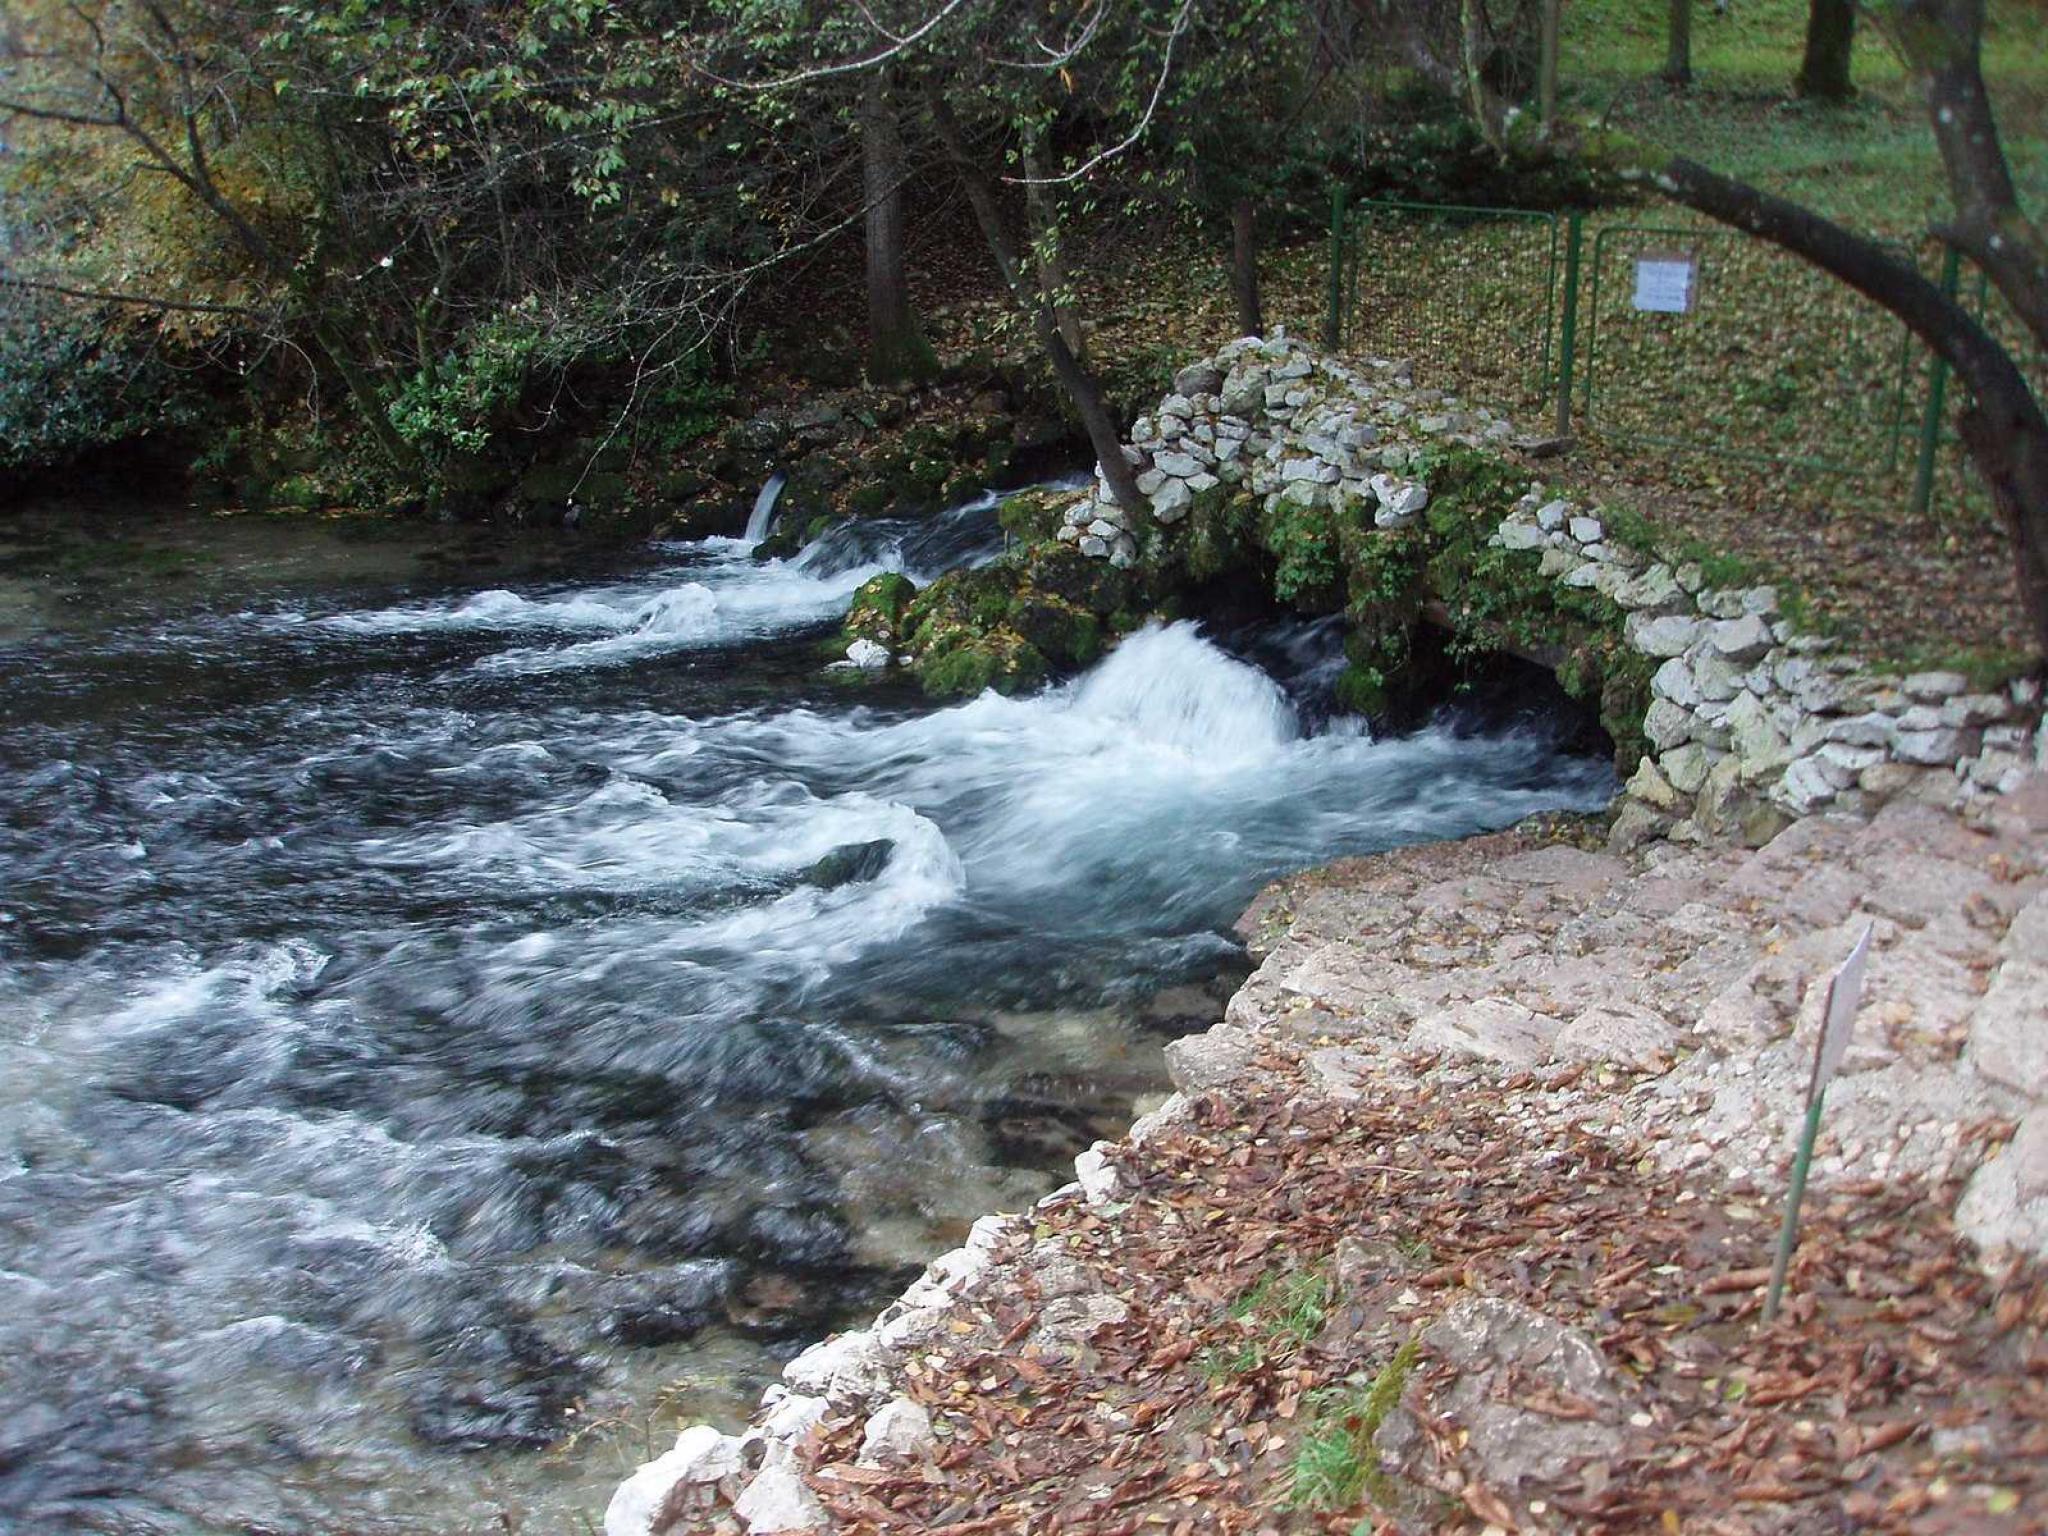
{"x":1753,"y":721}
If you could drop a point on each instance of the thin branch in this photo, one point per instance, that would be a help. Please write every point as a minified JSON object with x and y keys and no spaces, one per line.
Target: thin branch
{"x":1180,"y":25}
{"x":143,"y":301}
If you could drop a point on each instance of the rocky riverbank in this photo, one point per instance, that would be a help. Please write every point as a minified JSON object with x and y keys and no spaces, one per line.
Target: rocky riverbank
{"x":1460,"y":1213}
{"x":1459,"y":1218}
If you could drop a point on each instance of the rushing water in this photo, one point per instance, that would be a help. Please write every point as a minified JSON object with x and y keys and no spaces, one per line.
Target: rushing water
{"x":433,"y":1021}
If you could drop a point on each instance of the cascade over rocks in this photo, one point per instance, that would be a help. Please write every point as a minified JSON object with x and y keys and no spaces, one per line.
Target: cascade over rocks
{"x":1345,"y":487}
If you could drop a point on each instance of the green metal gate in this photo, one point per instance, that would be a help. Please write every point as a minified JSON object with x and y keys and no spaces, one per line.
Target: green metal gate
{"x":1468,"y":296}
{"x":1770,"y":360}
{"x":1766,"y":359}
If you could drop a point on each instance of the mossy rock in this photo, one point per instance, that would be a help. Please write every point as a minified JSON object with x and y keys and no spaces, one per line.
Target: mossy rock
{"x":1067,"y":635}
{"x":1064,"y":572}
{"x":869,"y":499}
{"x":1033,"y":517}
{"x":878,"y":609}
{"x":1000,"y":659}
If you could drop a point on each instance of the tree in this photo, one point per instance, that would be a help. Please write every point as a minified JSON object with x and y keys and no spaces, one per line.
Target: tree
{"x":897,"y":349}
{"x":2002,"y":423}
{"x":1678,"y":44}
{"x":1830,"y":33}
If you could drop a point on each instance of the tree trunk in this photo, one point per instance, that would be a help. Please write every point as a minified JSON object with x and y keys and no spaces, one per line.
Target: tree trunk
{"x":1244,"y":266}
{"x":897,"y":349}
{"x":1678,"y":45}
{"x":1051,"y":267}
{"x":1083,"y":389}
{"x":1830,"y":30}
{"x":2004,"y":427}
{"x":2012,"y":456}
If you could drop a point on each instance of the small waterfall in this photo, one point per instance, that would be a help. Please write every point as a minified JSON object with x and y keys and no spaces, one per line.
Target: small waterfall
{"x":1170,"y":687}
{"x":764,"y":507}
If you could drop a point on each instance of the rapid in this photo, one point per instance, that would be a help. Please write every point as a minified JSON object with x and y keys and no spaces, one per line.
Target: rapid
{"x":447,"y":1032}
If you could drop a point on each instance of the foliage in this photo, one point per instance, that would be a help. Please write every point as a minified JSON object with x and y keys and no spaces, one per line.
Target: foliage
{"x":71,"y":382}
{"x":450,"y":404}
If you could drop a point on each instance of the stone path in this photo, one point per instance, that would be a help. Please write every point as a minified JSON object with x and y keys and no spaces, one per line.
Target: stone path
{"x":1501,"y":1125}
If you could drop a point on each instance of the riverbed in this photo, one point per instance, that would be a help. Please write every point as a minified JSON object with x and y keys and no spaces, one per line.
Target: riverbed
{"x":456,"y":1020}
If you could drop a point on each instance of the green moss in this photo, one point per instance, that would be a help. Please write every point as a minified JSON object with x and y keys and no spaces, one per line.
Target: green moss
{"x":1001,"y":659}
{"x":1066,"y":634}
{"x":868,"y":500}
{"x":1033,"y":517}
{"x":1304,"y":544}
{"x":878,"y":608}
{"x":1336,"y":1461}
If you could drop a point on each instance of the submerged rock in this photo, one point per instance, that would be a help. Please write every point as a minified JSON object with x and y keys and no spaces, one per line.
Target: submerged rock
{"x":850,"y":864}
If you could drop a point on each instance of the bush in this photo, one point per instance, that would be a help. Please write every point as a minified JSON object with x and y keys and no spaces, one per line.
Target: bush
{"x":74,"y":379}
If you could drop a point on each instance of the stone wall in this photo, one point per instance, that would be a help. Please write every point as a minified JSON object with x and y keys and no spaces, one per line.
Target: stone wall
{"x":1752,"y":720}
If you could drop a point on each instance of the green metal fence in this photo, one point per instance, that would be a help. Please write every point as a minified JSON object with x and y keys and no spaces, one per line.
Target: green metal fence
{"x":1942,"y":482}
{"x":1769,"y":359}
{"x":1751,"y":355}
{"x":1469,"y":296}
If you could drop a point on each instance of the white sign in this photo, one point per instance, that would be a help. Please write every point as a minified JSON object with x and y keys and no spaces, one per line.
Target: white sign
{"x":1845,"y":996}
{"x":1664,"y":284}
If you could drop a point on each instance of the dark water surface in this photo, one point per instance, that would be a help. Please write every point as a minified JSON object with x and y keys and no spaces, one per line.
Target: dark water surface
{"x":435,"y":1019}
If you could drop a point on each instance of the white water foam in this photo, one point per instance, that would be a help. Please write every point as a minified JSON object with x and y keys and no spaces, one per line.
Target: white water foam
{"x":729,"y":597}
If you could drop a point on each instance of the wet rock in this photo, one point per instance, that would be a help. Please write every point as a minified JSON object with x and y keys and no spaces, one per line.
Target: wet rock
{"x":691,"y":1296}
{"x":469,"y":1417}
{"x":794,"y":1237}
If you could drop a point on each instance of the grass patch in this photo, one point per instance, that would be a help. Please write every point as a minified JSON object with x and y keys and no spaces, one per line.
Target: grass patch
{"x":1336,"y":1464}
{"x":1278,"y":1314}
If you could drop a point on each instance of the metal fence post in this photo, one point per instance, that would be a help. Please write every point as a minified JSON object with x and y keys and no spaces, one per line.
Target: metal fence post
{"x":1567,"y":342}
{"x":1333,"y":318}
{"x":1937,"y":400}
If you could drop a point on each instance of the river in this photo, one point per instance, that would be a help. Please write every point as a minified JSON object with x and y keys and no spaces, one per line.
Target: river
{"x":448,"y":1030}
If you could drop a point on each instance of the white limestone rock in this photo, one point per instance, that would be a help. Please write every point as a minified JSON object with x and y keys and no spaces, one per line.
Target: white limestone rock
{"x":1665,"y":635}
{"x":777,"y":1500}
{"x":898,"y":1432}
{"x":649,"y":1502}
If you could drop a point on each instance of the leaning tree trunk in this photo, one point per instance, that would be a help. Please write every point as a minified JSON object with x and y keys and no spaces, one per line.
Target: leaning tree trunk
{"x":897,"y":349}
{"x":1830,"y":32}
{"x":1678,"y":44}
{"x":1244,"y":266}
{"x":1083,"y":389}
{"x":2004,"y":427}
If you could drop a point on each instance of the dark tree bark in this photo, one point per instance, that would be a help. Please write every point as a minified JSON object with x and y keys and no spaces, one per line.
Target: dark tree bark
{"x":1083,"y":389}
{"x":1830,"y":32}
{"x":1678,"y":44}
{"x":897,"y":349}
{"x":2003,"y":427}
{"x":1244,"y":266}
